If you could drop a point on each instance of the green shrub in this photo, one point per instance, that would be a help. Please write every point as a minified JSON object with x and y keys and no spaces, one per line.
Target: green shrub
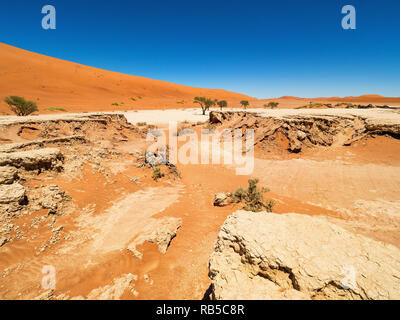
{"x":271,"y":105}
{"x":253,"y":197}
{"x":244,"y":103}
{"x":157,"y":174}
{"x":222,"y":104}
{"x":20,"y":106}
{"x":205,"y":103}
{"x":55,"y":109}
{"x":238,"y":195}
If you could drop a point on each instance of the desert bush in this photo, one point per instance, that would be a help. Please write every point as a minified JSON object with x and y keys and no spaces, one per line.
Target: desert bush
{"x":244,"y":103}
{"x":253,"y":197}
{"x":238,"y":195}
{"x":157,"y":174}
{"x":205,"y":103}
{"x":55,"y":109}
{"x":272,"y":105}
{"x":347,"y":104}
{"x":222,"y":104}
{"x":20,"y":106}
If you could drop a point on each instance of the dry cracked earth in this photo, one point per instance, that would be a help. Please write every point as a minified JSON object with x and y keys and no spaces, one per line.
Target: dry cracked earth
{"x":78,"y":198}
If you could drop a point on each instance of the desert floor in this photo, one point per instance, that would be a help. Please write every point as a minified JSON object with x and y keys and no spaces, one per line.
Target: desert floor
{"x":114,"y":203}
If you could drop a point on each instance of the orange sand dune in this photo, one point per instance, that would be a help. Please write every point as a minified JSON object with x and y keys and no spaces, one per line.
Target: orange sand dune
{"x":55,"y":83}
{"x":61,"y":84}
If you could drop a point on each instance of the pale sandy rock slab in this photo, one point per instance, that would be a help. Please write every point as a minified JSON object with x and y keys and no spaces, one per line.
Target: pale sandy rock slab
{"x":113,"y":291}
{"x":52,"y":198}
{"x":291,"y":256}
{"x":48,"y":158}
{"x":160,"y":231}
{"x":222,"y":199}
{"x":7,"y":175}
{"x":12,"y":193}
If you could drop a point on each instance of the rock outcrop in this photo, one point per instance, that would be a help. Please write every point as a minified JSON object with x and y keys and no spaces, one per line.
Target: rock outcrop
{"x":160,"y":231}
{"x":12,"y":193}
{"x":53,"y":198}
{"x":12,"y":147}
{"x":49,"y":158}
{"x":291,"y":256}
{"x":305,"y":129}
{"x":7,"y":175}
{"x":223,"y":199}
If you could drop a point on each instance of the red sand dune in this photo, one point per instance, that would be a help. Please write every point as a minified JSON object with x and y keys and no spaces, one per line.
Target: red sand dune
{"x":57,"y":83}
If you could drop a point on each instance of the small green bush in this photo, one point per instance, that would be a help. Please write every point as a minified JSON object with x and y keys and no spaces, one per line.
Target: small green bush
{"x":157,"y":174}
{"x":55,"y":109}
{"x":244,"y":103}
{"x":253,"y":197}
{"x":271,"y":105}
{"x":20,"y":106}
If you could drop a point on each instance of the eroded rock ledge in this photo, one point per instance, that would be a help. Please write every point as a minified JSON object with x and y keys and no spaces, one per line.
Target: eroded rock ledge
{"x":312,"y":129}
{"x":292,"y":256}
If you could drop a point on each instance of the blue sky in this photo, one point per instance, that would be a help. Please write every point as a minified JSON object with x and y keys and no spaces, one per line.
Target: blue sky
{"x":262,"y":48}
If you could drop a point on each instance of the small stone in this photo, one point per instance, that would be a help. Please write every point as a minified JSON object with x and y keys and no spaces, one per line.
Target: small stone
{"x":222,"y":199}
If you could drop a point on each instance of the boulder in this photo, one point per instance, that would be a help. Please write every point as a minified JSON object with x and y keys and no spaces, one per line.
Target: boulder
{"x":216,"y":117}
{"x":49,"y":158}
{"x":160,"y":231}
{"x":295,"y":146}
{"x":301,"y":135}
{"x":222,"y":199}
{"x":7,"y":175}
{"x":52,"y":198}
{"x":12,"y":193}
{"x":292,"y":256}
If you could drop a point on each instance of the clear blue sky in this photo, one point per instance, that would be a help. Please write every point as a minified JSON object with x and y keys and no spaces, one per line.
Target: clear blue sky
{"x":263,"y":48}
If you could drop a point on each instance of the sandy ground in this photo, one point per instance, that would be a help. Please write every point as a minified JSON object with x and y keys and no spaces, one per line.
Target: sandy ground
{"x":163,"y":116}
{"x":114,"y":202}
{"x":354,"y":186}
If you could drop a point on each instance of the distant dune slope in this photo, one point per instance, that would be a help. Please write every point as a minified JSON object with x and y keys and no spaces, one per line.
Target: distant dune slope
{"x":55,"y":83}
{"x":61,"y":84}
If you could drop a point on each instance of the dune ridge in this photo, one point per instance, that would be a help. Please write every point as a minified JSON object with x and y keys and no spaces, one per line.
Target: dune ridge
{"x":63,"y":86}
